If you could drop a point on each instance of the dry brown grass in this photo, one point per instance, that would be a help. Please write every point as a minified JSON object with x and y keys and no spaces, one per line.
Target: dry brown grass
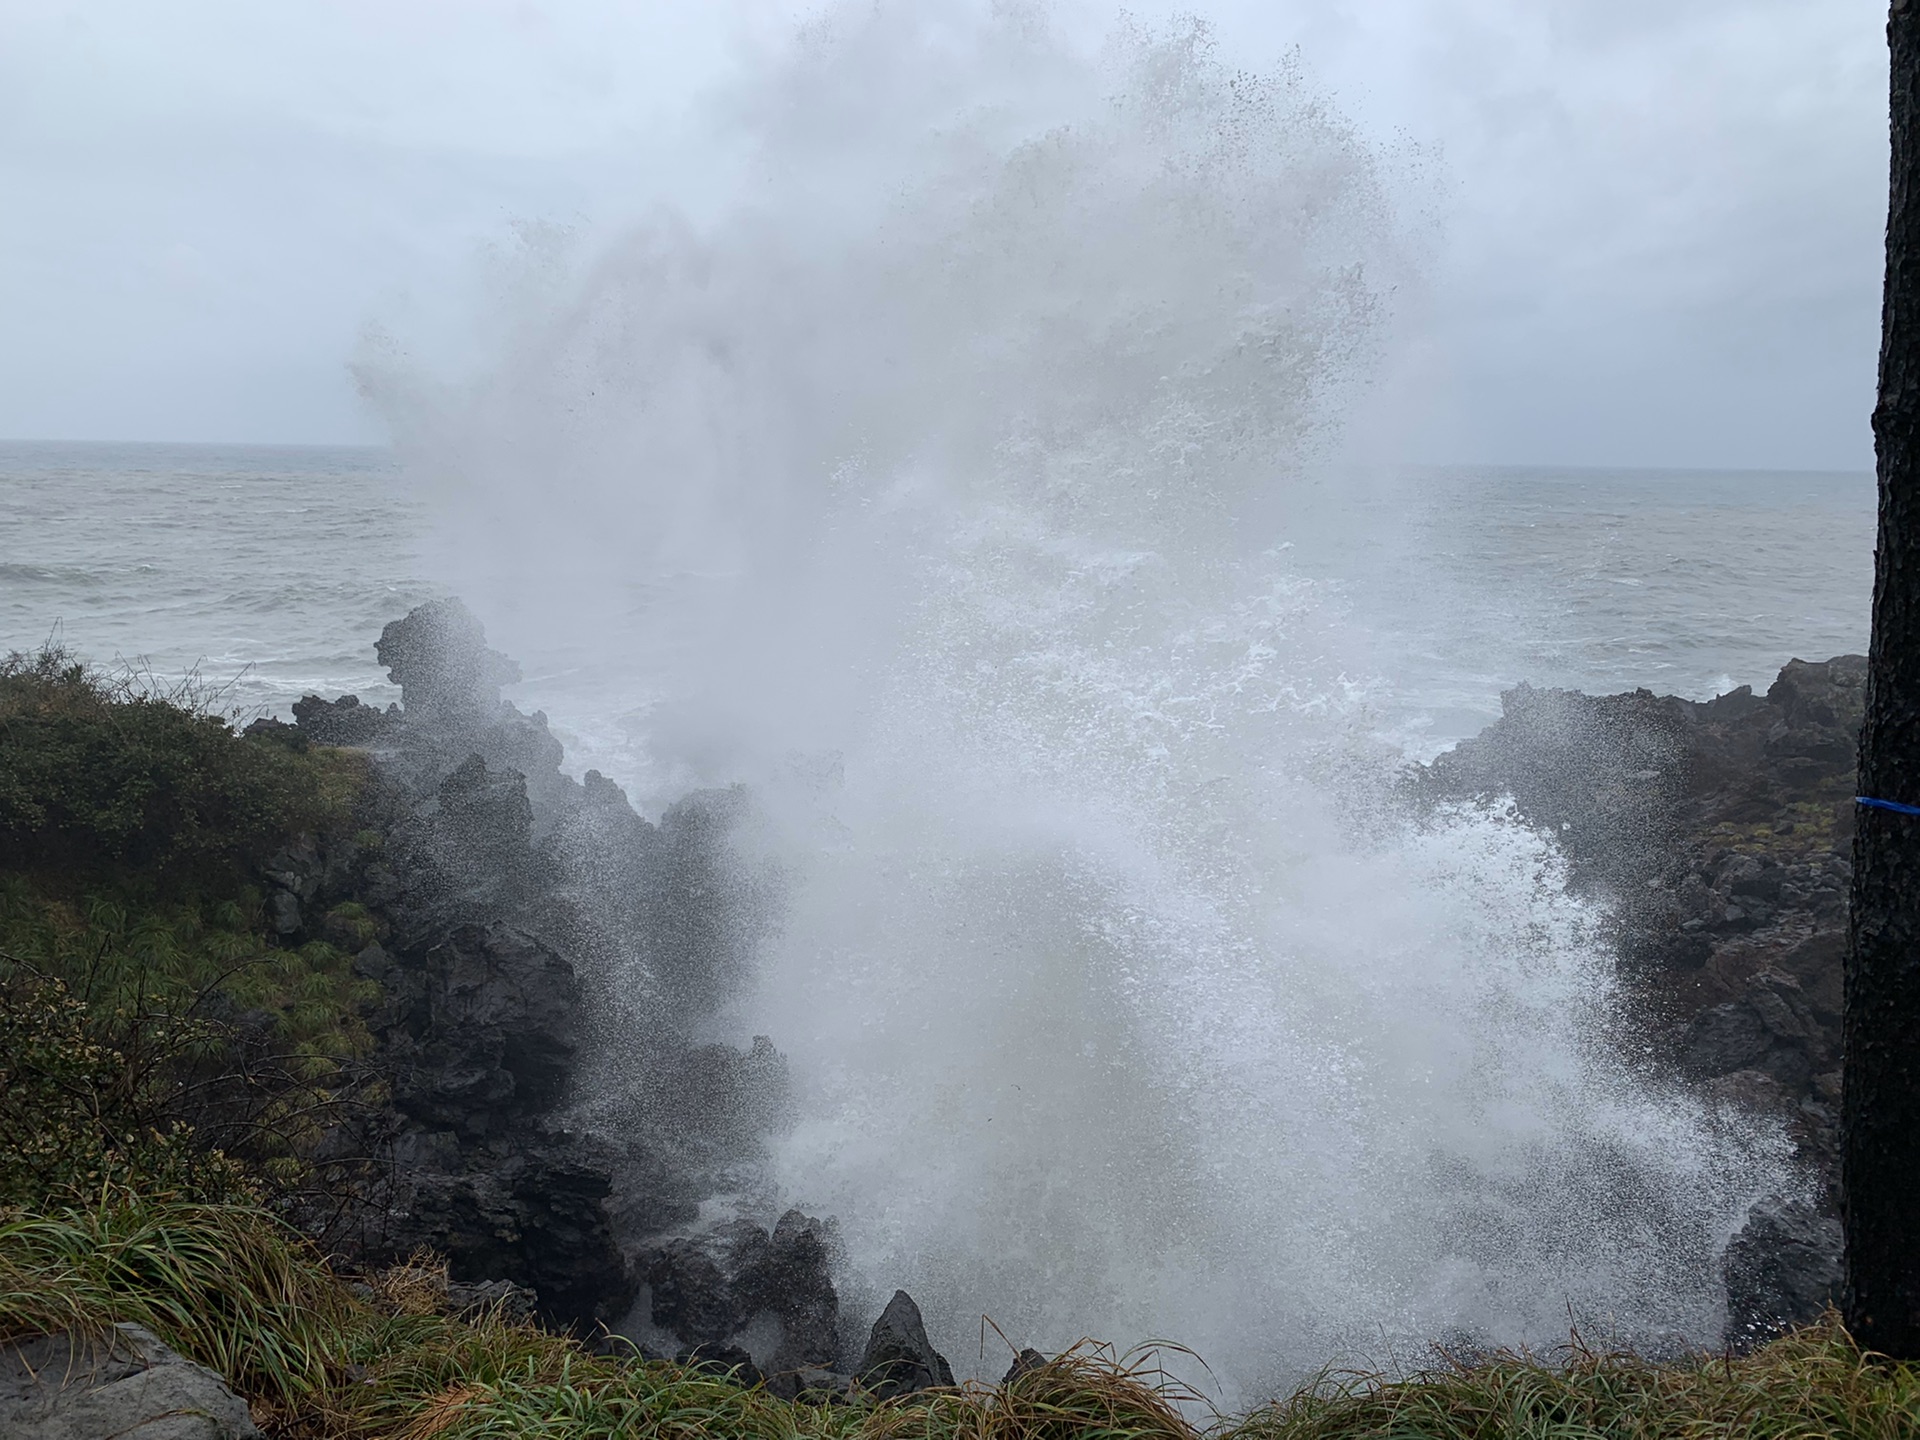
{"x":236,"y":1290}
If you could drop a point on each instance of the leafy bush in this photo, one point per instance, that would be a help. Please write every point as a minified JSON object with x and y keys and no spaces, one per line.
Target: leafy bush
{"x":152,"y":1031}
{"x":80,"y":1113}
{"x":104,"y":776}
{"x":134,"y":1059}
{"x":140,"y":1085}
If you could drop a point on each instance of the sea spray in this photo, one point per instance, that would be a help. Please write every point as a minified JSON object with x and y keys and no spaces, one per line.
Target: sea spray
{"x":941,"y":491}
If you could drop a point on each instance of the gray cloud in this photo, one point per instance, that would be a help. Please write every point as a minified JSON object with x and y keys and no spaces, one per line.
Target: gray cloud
{"x":1655,"y":226}
{"x":1663,"y":220}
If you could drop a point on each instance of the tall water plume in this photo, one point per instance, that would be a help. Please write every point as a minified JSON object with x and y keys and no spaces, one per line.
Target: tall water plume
{"x":940,"y":489}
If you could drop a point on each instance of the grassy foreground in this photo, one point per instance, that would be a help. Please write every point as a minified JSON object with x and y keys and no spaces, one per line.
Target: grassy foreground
{"x":237,"y":1290}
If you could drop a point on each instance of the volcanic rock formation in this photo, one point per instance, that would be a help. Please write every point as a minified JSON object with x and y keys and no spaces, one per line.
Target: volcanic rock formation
{"x":512,"y":918}
{"x":497,"y":904}
{"x":1717,"y":834}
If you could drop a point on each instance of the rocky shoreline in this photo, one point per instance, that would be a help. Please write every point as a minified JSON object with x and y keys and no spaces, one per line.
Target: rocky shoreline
{"x":504,"y":910}
{"x":509,"y":914}
{"x":1717,"y":835}
{"x":500,"y":907}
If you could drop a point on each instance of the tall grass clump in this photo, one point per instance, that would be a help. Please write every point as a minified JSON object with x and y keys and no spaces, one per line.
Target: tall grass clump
{"x":235,"y":1289}
{"x":228,"y":1285}
{"x":1813,"y":1382}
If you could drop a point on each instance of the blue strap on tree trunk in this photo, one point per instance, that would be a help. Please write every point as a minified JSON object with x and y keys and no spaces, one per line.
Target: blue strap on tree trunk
{"x":1893,"y":805}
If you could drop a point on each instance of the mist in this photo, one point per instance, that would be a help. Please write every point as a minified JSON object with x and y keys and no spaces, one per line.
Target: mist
{"x":951,"y":490}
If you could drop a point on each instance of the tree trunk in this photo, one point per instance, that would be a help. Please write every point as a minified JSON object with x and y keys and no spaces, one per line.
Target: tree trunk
{"x":1880,"y":1152}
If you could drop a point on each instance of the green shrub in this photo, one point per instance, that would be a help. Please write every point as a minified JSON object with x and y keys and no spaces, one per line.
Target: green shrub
{"x":100,"y":776}
{"x":78,"y":1112}
{"x":149,"y":1019}
{"x":157,"y":1076}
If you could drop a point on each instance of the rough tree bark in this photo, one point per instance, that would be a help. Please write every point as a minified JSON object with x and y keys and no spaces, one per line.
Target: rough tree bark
{"x":1880,"y":1157}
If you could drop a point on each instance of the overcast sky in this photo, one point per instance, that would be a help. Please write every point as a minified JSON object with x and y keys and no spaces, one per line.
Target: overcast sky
{"x":1658,"y":221}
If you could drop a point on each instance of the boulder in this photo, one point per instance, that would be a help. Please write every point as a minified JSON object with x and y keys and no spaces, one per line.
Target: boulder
{"x":485,"y":819}
{"x":481,"y":1029}
{"x":796,"y":1285}
{"x":727,"y":1362}
{"x":696,"y":1282}
{"x":123,"y":1385}
{"x":530,"y":1208}
{"x":341,"y":722}
{"x":812,"y":1386}
{"x":899,"y":1359}
{"x":1784,"y":1268}
{"x":710,"y":1287}
{"x":439,"y":658}
{"x":1025,"y":1363}
{"x":284,"y":910}
{"x":501,"y":1298}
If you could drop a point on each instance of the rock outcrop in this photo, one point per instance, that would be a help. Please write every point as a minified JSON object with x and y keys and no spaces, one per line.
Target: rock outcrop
{"x":899,"y":1359}
{"x":509,"y":915}
{"x":1024,"y":1363}
{"x":515,"y":920}
{"x":1718,"y":836}
{"x":121,"y":1385}
{"x":711,"y":1288}
{"x":1785,"y":1265}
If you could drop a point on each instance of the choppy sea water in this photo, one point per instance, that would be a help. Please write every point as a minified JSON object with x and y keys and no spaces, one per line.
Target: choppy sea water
{"x":269,"y":569}
{"x":272,"y":569}
{"x":1686,"y":582}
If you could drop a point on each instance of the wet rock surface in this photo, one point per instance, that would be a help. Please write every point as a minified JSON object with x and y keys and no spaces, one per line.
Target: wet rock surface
{"x":122,"y":1385}
{"x":513,"y":919}
{"x":506,"y":914}
{"x":1784,"y":1268}
{"x":720,"y":1283}
{"x":899,"y":1359}
{"x":1718,"y":836}
{"x":340,"y":722}
{"x":813,"y":1386}
{"x":1024,"y":1363}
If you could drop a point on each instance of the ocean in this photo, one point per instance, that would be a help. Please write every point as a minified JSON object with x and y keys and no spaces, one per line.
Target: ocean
{"x":269,"y":570}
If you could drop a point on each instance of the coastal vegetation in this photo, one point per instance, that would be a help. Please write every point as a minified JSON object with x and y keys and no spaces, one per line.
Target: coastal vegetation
{"x":235,"y":1289}
{"x":149,"y":1026}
